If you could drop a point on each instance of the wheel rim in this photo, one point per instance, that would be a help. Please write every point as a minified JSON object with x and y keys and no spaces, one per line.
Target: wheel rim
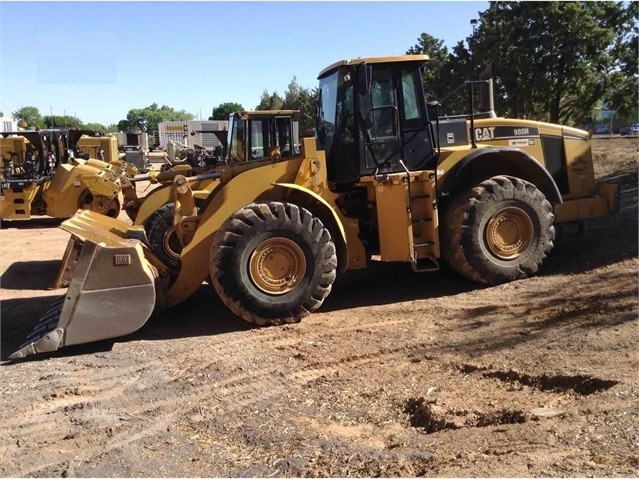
{"x":509,"y":233}
{"x":277,"y":265}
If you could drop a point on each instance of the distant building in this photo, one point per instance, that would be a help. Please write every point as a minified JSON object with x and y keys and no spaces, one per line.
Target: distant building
{"x":8,"y":124}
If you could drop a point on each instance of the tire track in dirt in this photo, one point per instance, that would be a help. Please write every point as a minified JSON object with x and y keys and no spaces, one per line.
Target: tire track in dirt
{"x":115,"y":384}
{"x":120,"y":440}
{"x":235,"y":392}
{"x":78,"y":386}
{"x":65,"y":412}
{"x":189,"y":382}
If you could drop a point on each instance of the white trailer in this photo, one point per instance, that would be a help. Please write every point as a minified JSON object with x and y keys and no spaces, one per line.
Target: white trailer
{"x":191,"y":133}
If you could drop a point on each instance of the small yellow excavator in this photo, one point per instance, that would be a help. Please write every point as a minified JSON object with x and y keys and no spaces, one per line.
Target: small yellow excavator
{"x":387,"y":177}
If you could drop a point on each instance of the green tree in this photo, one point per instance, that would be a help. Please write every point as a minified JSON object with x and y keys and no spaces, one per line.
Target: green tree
{"x":270,"y":102}
{"x":620,"y":91}
{"x":445,"y":73}
{"x":298,"y":98}
{"x":30,"y":115}
{"x":95,"y":127}
{"x":123,"y":125}
{"x":224,"y":110}
{"x":434,"y":76}
{"x":292,"y":95}
{"x":459,"y":69}
{"x":151,"y":116}
{"x":61,"y":121}
{"x":555,"y":60}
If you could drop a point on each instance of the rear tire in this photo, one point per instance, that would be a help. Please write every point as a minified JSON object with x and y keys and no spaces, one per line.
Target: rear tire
{"x":499,"y":231}
{"x":273,"y":263}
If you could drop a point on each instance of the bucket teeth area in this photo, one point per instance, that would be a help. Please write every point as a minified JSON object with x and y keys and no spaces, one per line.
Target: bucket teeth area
{"x":46,"y":336}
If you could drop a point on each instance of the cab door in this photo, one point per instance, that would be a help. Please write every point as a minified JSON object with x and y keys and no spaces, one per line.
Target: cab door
{"x":380,"y":122}
{"x":395,"y":124}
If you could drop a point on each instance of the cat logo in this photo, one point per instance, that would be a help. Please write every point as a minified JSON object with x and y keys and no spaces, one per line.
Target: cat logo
{"x":484,"y":134}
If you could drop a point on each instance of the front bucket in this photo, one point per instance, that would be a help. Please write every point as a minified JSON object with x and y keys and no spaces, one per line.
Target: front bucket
{"x":111,"y":293}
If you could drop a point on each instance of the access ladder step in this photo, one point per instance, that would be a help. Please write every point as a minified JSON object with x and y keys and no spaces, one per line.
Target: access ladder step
{"x":423,"y":265}
{"x":421,"y":220}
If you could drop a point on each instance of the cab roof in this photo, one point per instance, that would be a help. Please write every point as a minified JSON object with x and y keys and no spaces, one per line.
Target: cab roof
{"x":389,"y":59}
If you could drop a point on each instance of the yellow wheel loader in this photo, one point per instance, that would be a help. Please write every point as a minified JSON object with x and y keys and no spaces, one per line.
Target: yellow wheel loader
{"x":156,"y":211}
{"x":56,"y":172}
{"x":386,"y":177}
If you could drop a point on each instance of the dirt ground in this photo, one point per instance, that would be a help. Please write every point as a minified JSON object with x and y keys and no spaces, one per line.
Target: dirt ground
{"x":398,"y":374}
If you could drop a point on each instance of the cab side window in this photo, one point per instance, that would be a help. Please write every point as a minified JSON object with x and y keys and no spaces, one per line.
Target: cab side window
{"x":259,"y":139}
{"x":412,"y":106}
{"x":283,"y":136}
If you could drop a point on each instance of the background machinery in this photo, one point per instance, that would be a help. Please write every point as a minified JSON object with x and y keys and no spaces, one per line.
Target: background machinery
{"x":55,"y":172}
{"x":134,"y":145}
{"x":386,"y":178}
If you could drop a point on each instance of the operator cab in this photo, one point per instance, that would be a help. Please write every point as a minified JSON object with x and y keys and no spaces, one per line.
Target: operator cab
{"x":257,"y":135}
{"x":371,"y":115}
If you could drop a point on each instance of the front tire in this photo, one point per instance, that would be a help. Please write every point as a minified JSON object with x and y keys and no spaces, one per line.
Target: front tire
{"x":499,"y":231}
{"x":273,"y":263}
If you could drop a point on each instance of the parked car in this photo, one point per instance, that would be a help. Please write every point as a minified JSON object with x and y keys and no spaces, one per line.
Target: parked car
{"x":602,"y":130}
{"x":632,"y":129}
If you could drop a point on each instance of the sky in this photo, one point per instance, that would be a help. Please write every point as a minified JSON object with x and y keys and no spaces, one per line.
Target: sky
{"x":98,"y":60}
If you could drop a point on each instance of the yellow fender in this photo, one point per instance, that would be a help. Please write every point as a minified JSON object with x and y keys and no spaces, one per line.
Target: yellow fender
{"x":329,"y":217}
{"x":157,"y":198}
{"x":231,"y":197}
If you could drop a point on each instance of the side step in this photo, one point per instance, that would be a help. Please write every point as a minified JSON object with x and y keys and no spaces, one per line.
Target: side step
{"x":423,"y":265}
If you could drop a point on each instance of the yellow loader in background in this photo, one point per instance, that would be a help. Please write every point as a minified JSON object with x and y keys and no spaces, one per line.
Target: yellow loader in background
{"x":56,"y":172}
{"x":156,"y":212}
{"x":387,"y":177}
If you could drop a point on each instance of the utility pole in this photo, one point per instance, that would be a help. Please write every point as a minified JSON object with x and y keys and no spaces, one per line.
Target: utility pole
{"x":473,"y":23}
{"x":612,"y":113}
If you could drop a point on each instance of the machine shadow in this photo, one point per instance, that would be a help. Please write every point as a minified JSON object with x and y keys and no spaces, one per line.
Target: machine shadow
{"x":203,"y":314}
{"x":30,"y":275}
{"x":387,"y":283}
{"x":35,"y":222}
